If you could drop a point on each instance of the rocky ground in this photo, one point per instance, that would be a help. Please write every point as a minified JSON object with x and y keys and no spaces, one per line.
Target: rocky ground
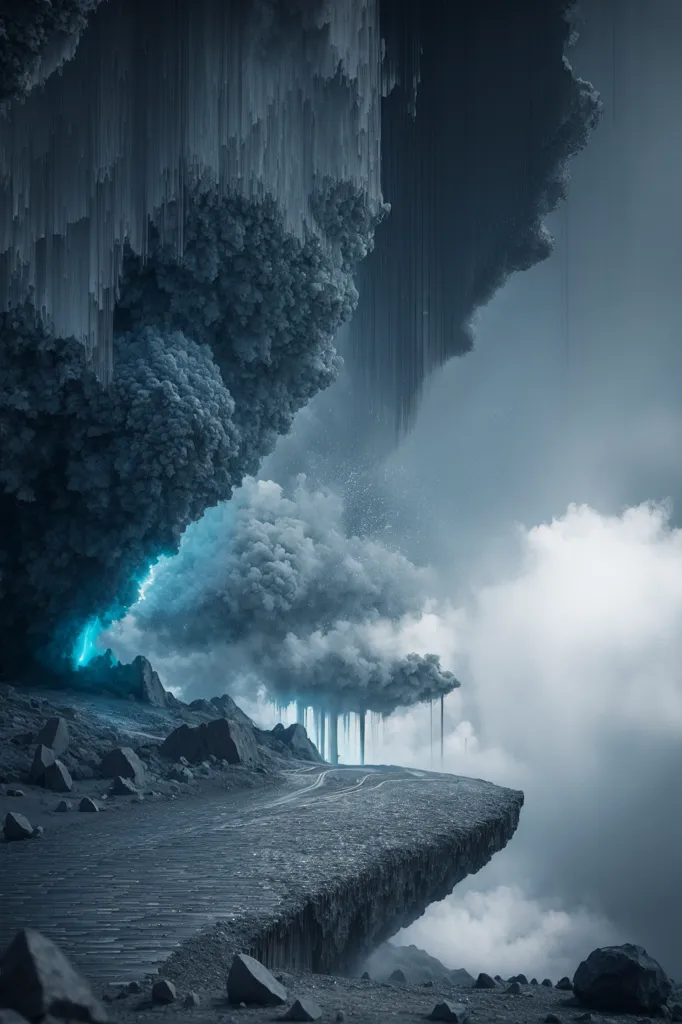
{"x":82,"y":734}
{"x":66,"y":756}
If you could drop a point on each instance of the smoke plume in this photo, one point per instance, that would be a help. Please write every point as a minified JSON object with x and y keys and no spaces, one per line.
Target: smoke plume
{"x":214,"y":355}
{"x":273,"y":587}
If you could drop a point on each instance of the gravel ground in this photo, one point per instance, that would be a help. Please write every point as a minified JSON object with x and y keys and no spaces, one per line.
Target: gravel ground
{"x":364,"y":1002}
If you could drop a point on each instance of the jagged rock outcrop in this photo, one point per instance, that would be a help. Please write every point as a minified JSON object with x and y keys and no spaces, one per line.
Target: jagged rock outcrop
{"x":36,"y":980}
{"x":251,"y":983}
{"x":622,"y":979}
{"x":123,"y":761}
{"x":290,"y":741}
{"x":221,"y":738}
{"x":54,"y":735}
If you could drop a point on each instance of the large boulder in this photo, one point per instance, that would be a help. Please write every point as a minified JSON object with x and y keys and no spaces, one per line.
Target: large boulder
{"x":37,"y":980}
{"x":55,"y":735}
{"x":58,"y":778}
{"x":220,"y":738}
{"x":144,"y":682}
{"x":16,"y":826}
{"x":294,"y":738}
{"x":251,"y":983}
{"x":122,"y":761}
{"x":622,"y":979}
{"x":42,"y":759}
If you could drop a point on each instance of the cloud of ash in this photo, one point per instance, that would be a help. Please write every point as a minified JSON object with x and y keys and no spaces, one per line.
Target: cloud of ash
{"x":572,"y":691}
{"x":272,"y":587}
{"x":214,"y":355}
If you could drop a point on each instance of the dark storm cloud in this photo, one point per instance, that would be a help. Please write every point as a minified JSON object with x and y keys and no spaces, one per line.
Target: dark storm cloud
{"x":213,"y":356}
{"x":36,"y":36}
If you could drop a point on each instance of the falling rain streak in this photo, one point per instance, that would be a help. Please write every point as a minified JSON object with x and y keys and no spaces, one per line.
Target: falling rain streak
{"x":148,"y":104}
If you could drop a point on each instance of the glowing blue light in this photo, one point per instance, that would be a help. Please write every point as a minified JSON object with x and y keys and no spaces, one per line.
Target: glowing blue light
{"x":149,"y":578}
{"x":85,"y":648}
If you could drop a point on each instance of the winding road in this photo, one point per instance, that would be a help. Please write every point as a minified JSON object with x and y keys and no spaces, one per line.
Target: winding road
{"x":120,"y":891}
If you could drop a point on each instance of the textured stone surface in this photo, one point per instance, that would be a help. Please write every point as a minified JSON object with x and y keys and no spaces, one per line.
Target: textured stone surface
{"x":16,"y":826}
{"x":55,"y":735}
{"x":325,"y":871}
{"x":220,"y":738}
{"x":58,"y":778}
{"x":251,"y":983}
{"x":622,"y":979}
{"x":457,"y":1013}
{"x":36,"y":979}
{"x":42,"y":759}
{"x":303,"y":1009}
{"x":123,"y":761}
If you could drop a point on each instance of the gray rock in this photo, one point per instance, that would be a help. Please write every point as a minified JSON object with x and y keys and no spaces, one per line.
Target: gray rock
{"x":11,"y":791}
{"x":63,"y":806}
{"x":163,"y":992}
{"x":54,"y":735}
{"x":37,"y":832}
{"x":37,"y":980}
{"x":11,"y":1017}
{"x":454,"y":1012}
{"x":303,"y":1009}
{"x":42,"y":759}
{"x":564,"y":985}
{"x":180,"y":774}
{"x":251,"y":983}
{"x":295,"y":738}
{"x":57,"y":778}
{"x":522,"y":979}
{"x":365,"y":976}
{"x":122,"y":761}
{"x":16,"y":826}
{"x":191,"y":1001}
{"x":87,"y":804}
{"x":142,"y":682}
{"x":122,"y":787}
{"x":462,"y":978}
{"x":552,"y":1018}
{"x":223,"y":738}
{"x":547,"y":983}
{"x":622,"y":979}
{"x":133,"y":988}
{"x":398,"y":977}
{"x":229,"y":709}
{"x":485,"y":981}
{"x":584,"y":1018}
{"x":203,"y":705}
{"x":534,"y":981}
{"x":676,"y":1011}
{"x":514,"y":989}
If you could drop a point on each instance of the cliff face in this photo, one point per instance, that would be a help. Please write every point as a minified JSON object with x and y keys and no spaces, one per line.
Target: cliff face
{"x":390,"y":862}
{"x":312,"y":868}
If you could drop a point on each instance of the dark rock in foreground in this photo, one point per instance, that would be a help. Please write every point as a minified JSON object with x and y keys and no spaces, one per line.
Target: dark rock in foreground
{"x":303,"y":1009}
{"x":456,"y":1013}
{"x":16,"y":826}
{"x":36,"y":980}
{"x":251,"y":983}
{"x":622,"y":979}
{"x":221,"y":738}
{"x":295,"y":740}
{"x":123,"y":761}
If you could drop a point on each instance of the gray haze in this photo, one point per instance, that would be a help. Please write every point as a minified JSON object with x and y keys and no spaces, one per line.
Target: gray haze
{"x":565,"y":638}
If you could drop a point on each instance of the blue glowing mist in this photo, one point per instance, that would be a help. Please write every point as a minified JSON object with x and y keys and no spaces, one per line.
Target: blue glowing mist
{"x":86,"y":647}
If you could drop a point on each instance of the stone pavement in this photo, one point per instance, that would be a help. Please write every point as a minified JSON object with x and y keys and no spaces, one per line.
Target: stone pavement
{"x":338,"y":858}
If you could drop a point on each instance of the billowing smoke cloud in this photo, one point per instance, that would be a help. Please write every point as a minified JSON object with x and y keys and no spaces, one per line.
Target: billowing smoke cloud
{"x":272,"y":586}
{"x":214,"y":355}
{"x":570,"y":659}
